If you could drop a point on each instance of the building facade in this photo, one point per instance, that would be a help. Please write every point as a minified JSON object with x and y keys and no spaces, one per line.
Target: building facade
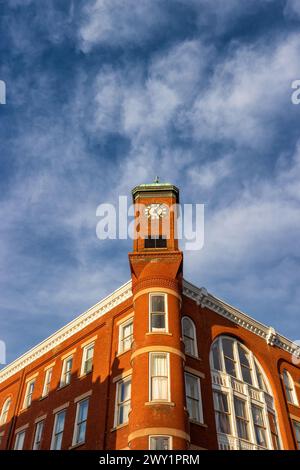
{"x":158,"y":364}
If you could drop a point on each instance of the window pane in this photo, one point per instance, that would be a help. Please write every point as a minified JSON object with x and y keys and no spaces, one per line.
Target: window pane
{"x":216,"y":356}
{"x":158,"y":321}
{"x":230,"y":367}
{"x":188,"y":329}
{"x":228,"y":347}
{"x":241,"y":422}
{"x":297,"y":432}
{"x":159,"y":443}
{"x":246,"y":374}
{"x":158,"y":303}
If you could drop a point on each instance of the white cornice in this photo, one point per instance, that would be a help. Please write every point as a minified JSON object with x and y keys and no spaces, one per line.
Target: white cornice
{"x":203,"y":298}
{"x":108,"y":303}
{"x":200,"y":296}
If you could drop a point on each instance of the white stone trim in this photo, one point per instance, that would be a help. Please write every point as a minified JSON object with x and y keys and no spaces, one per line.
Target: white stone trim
{"x":76,"y":325}
{"x":204,"y":299}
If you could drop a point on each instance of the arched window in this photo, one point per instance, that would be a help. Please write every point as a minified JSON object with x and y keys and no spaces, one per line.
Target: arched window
{"x":289,"y":388}
{"x":4,"y":411}
{"x":189,"y":336}
{"x":243,"y":401}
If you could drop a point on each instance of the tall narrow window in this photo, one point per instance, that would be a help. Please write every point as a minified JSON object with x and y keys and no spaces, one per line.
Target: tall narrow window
{"x":259,"y":426}
{"x":38,"y":434}
{"x":158,"y":312}
{"x":66,"y":372}
{"x":241,"y":418}
{"x":189,"y":336}
{"x":126,"y":335}
{"x":123,"y":400}
{"x":193,"y":397}
{"x":28,"y":394}
{"x":4,"y":411}
{"x":87,"y":359}
{"x":245,"y":365}
{"x":19,"y":442}
{"x":160,"y":443}
{"x":222,"y":412}
{"x":289,"y":388}
{"x":47,"y":382}
{"x":229,"y":360}
{"x":159,"y":380}
{"x":296,"y":425}
{"x":260,"y":378}
{"x":58,"y":430}
{"x":80,"y":422}
{"x":216,"y":357}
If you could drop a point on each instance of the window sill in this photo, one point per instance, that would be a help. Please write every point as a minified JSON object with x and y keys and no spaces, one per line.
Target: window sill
{"x":159,"y":403}
{"x":203,"y":425}
{"x":75,"y":446}
{"x":44,"y":397}
{"x":123,"y":352}
{"x":197,"y":358}
{"x":293,"y":404}
{"x":61,"y":387}
{"x":159,"y":333}
{"x":83,"y":376}
{"x":120,"y":426}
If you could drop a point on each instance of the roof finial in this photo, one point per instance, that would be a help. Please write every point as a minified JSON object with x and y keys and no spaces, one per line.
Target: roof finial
{"x":156,"y":180}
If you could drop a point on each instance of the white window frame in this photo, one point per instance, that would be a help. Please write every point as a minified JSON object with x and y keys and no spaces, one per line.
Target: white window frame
{"x":157,"y":436}
{"x":26,"y":403}
{"x":47,"y":382}
{"x":17,"y":439}
{"x":119,"y":404}
{"x":5,"y":411}
{"x":290,"y":386}
{"x":123,"y":325}
{"x":38,"y":434}
{"x":85,"y":350}
{"x":54,"y":428}
{"x":159,"y":330}
{"x":63,"y":382}
{"x":151,"y":355}
{"x":200,"y":404}
{"x":77,"y":424}
{"x":194,"y":338}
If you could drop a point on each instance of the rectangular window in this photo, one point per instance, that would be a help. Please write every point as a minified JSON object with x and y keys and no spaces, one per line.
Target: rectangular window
{"x":274,"y":431}
{"x":58,"y":430}
{"x":126,"y":335}
{"x":47,"y":382}
{"x":241,"y":418}
{"x":38,"y":435}
{"x":19,"y":442}
{"x":156,"y":242}
{"x":80,"y":422}
{"x":123,"y":401}
{"x":193,"y":397}
{"x":159,"y":376}
{"x":160,"y":443}
{"x":158,"y":312}
{"x":66,"y":373}
{"x":259,"y":426}
{"x":296,"y":425}
{"x":222,"y":412}
{"x":87,"y":359}
{"x":28,"y":394}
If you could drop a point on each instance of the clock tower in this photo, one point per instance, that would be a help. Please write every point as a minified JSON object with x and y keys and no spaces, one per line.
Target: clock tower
{"x":158,"y":408}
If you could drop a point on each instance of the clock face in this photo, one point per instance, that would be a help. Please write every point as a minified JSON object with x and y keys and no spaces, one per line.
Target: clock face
{"x":156,"y":211}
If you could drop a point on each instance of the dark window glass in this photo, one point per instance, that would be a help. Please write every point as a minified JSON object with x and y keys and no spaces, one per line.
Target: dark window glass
{"x":156,"y":242}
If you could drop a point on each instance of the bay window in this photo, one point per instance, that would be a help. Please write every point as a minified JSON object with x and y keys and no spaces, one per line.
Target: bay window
{"x":159,"y":376}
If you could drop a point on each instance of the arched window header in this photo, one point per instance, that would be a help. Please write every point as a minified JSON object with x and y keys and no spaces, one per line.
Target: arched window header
{"x":230,"y":356}
{"x":289,"y":386}
{"x":4,"y":411}
{"x":189,"y":336}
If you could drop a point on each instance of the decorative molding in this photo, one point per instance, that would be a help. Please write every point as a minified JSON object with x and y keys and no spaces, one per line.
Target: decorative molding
{"x":205,"y":299}
{"x":158,"y":431}
{"x":76,"y":325}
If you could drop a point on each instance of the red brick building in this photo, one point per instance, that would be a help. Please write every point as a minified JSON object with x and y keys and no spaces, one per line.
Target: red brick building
{"x":158,"y":364}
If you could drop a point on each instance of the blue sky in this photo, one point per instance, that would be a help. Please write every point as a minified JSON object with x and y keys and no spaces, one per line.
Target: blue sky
{"x":105,"y":94}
